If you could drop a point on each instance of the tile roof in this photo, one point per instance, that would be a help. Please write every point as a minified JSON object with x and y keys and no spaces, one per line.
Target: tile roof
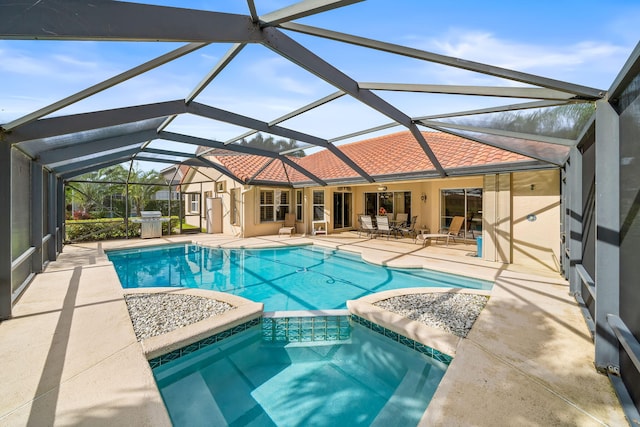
{"x":390,"y":154}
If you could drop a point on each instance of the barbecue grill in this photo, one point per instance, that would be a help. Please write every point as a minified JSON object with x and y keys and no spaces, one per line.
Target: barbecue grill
{"x":150,"y":224}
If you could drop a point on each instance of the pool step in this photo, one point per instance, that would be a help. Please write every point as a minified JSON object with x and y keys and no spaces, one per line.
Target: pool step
{"x":306,"y":326}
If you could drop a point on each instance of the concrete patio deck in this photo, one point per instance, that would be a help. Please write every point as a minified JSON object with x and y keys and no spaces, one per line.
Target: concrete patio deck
{"x":71,"y":357}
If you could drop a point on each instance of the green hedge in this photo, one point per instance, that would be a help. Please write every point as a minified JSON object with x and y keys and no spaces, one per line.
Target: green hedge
{"x":86,"y":230}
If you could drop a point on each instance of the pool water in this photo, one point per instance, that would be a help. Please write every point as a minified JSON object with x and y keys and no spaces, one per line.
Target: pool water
{"x":292,"y":278}
{"x":247,"y":381}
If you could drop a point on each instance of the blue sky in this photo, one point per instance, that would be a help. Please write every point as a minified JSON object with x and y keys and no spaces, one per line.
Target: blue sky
{"x":584,"y":42}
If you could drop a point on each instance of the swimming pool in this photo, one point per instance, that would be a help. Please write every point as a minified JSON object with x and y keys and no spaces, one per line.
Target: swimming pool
{"x":247,"y":380}
{"x":292,"y":278}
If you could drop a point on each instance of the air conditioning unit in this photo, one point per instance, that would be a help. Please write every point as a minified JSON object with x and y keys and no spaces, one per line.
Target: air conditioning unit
{"x":221,"y":186}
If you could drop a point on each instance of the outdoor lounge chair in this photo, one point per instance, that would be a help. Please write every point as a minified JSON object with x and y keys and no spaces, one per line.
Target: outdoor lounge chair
{"x":452,"y":232}
{"x":289,"y":226}
{"x":366,"y":225}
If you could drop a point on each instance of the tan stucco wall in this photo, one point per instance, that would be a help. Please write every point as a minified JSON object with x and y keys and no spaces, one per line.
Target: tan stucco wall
{"x":536,"y":243}
{"x":201,"y":178}
{"x":507,"y":200}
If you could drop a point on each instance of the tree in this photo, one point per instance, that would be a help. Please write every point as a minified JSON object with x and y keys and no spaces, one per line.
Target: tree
{"x":101,"y":193}
{"x":565,"y":121}
{"x":141,"y":194}
{"x":271,"y":144}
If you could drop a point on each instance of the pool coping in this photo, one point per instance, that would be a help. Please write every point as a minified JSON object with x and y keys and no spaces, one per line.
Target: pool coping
{"x":512,"y":363}
{"x":244,"y":311}
{"x":435,"y":338}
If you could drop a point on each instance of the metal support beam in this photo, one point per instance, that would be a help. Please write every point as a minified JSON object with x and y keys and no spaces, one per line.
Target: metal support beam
{"x":37,"y":214}
{"x":5,"y":231}
{"x":224,"y":61}
{"x":496,"y":109}
{"x":77,"y":151}
{"x":93,"y":167}
{"x":578,"y":90}
{"x":167,"y":153}
{"x":106,"y":84}
{"x":74,"y":123}
{"x":302,"y":9}
{"x":251,"y":123}
{"x":504,"y":145}
{"x":97,"y":161}
{"x":240,"y":149}
{"x":290,"y":115}
{"x":121,"y":21}
{"x":607,"y":276}
{"x":60,"y":224}
{"x":504,"y":92}
{"x":52,"y":249}
{"x":201,"y":161}
{"x":574,"y":218}
{"x":296,"y":53}
{"x":509,"y":134}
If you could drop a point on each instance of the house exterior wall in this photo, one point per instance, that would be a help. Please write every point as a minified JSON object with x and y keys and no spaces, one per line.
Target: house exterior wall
{"x":200,"y":181}
{"x":536,"y":219}
{"x":508,"y":200}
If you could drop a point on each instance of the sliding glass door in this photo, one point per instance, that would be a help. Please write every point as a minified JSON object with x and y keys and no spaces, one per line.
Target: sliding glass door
{"x":464,"y":202}
{"x":342,"y":210}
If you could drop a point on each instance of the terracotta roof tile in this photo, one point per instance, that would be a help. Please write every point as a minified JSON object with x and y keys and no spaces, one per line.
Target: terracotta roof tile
{"x":395,"y":153}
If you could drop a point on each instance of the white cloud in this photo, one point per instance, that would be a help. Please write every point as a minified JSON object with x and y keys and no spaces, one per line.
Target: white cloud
{"x":284,"y":75}
{"x":572,"y":62}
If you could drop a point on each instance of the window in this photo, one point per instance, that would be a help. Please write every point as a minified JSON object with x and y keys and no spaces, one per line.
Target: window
{"x":282,"y":207}
{"x":235,"y":206}
{"x":318,"y":205}
{"x":391,"y":202}
{"x":194,"y":203}
{"x":267,"y":207}
{"x":464,"y":202}
{"x":299,"y":204}
{"x":274,"y":205}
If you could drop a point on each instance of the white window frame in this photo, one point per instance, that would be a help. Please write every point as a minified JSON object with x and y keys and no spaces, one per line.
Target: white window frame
{"x":280,"y":206}
{"x":263,"y":205}
{"x":318,"y":205}
{"x":299,"y":205}
{"x":194,"y":203}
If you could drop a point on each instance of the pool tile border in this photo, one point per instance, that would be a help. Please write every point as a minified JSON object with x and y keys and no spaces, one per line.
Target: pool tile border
{"x":270,"y":324}
{"x":175,"y":354}
{"x":401,"y":339}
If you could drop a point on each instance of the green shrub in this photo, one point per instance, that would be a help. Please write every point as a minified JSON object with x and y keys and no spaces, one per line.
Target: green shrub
{"x":107,"y":228}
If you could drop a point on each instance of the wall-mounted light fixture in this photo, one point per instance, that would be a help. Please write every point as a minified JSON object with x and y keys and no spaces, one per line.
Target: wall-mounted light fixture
{"x":382,"y":188}
{"x":533,"y":187}
{"x":423,"y":197}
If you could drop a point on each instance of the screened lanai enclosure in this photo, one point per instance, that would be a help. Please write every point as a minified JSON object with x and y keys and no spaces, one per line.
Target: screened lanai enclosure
{"x":590,"y":134}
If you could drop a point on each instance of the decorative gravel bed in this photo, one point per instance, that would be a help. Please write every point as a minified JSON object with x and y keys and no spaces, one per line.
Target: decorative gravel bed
{"x":158,"y":313}
{"x":452,"y":312}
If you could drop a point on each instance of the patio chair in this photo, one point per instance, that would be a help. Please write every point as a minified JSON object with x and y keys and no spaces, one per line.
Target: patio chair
{"x":401,"y":220}
{"x":366,"y":225}
{"x":452,"y":232}
{"x":383,"y":225}
{"x":289,"y":225}
{"x":409,"y":229}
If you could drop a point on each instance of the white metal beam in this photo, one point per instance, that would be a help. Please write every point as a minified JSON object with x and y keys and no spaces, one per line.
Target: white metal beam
{"x":302,"y":9}
{"x":578,"y":90}
{"x":510,"y":134}
{"x":136,"y":71}
{"x":296,"y":53}
{"x":497,"y":91}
